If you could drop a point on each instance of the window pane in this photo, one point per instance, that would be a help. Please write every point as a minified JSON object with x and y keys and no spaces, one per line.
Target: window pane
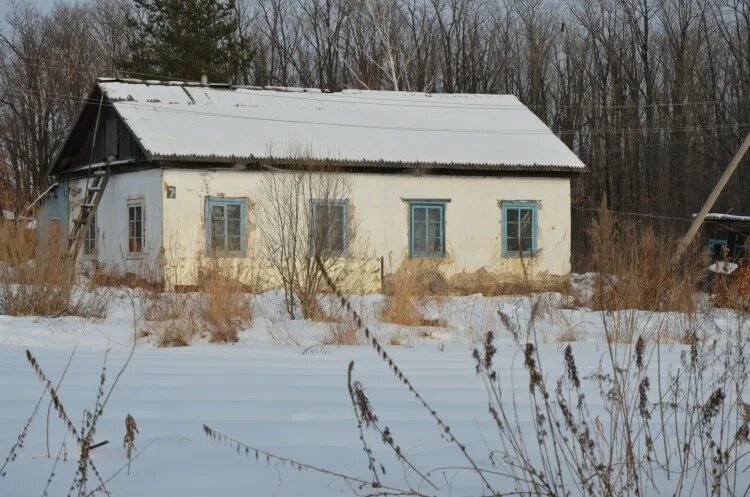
{"x":217,"y":211}
{"x":337,"y":213}
{"x":526,"y":229}
{"x":218,"y":229}
{"x":233,"y":227}
{"x":512,"y":230}
{"x":135,"y":228}
{"x":419,"y":238}
{"x":434,"y":230}
{"x":217,"y":243}
{"x":436,"y":246}
{"x":233,"y":243}
{"x":233,"y":211}
{"x":526,"y":215}
{"x":419,"y":214}
{"x":512,"y":244}
{"x":434,"y":214}
{"x":512,"y":215}
{"x":526,"y":244}
{"x":336,"y":239}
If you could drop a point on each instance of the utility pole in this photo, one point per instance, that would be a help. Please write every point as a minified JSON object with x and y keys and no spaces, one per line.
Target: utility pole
{"x":688,"y":238}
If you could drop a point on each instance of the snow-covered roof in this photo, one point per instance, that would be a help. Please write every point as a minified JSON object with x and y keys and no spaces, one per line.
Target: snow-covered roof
{"x":186,"y":121}
{"x":716,"y":216}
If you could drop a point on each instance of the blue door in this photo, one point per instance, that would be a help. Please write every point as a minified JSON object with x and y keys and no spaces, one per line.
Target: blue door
{"x":52,"y":219}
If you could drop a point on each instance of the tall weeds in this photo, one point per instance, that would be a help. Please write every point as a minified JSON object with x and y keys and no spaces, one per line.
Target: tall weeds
{"x":636,"y":270}
{"x":218,"y":310}
{"x":226,"y":306}
{"x":37,"y":278}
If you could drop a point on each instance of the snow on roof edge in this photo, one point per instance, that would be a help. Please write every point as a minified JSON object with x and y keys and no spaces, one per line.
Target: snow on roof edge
{"x":479,"y":166}
{"x":718,"y":216}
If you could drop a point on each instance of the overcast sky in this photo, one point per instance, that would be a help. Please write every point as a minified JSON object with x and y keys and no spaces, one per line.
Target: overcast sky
{"x":44,"y":4}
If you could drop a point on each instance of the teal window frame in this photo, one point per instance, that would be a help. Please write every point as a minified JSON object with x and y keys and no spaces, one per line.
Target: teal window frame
{"x":427,"y":207}
{"x":136,"y":228}
{"x":225,"y":202}
{"x":344,"y":204}
{"x":518,"y":206}
{"x":89,"y":239}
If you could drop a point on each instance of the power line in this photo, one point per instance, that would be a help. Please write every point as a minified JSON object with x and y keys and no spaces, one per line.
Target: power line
{"x":635,"y":214}
{"x":63,"y":97}
{"x":405,"y":102}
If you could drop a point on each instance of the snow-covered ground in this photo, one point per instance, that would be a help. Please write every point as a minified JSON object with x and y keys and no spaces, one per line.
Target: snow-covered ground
{"x":280,"y":390}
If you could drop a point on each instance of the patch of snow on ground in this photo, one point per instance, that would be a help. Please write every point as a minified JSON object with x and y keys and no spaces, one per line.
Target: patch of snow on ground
{"x":277,"y":389}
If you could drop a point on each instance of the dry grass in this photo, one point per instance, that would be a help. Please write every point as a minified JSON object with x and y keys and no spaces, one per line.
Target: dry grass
{"x":218,"y":309}
{"x":405,"y":290}
{"x":226,"y":306}
{"x":493,"y":285}
{"x":571,"y":333}
{"x":342,"y":334}
{"x":38,"y":278}
{"x":177,"y":334}
{"x":733,"y":290}
{"x":164,"y":306}
{"x":118,"y":279}
{"x":636,"y":269}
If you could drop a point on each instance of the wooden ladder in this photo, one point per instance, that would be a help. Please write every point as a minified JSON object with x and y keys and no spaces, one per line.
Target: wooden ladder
{"x":94,"y":192}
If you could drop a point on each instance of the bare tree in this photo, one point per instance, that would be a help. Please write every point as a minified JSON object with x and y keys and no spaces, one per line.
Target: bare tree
{"x":306,"y":214}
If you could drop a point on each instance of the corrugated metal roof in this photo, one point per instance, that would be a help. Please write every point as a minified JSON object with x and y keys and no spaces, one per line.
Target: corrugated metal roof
{"x":221,"y":124}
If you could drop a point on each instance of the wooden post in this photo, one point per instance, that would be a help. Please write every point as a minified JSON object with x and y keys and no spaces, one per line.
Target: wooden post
{"x":688,"y":238}
{"x":382,"y":275}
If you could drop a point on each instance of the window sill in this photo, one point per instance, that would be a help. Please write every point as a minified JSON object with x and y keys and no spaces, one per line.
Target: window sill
{"x":135,"y":255}
{"x":427,"y":256}
{"x":517,"y":255}
{"x":226,"y":255}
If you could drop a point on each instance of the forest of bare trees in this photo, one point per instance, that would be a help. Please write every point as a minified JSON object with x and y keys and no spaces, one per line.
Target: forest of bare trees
{"x":653,"y":95}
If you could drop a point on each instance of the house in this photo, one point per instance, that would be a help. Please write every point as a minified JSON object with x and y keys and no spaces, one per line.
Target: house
{"x":726,"y":236}
{"x":467,"y":182}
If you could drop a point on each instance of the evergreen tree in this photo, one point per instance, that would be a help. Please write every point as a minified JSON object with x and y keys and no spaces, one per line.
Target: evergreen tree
{"x":186,"y":39}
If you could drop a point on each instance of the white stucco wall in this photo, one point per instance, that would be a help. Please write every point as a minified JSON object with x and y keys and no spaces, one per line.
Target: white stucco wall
{"x":379,"y":202}
{"x":112,"y":222}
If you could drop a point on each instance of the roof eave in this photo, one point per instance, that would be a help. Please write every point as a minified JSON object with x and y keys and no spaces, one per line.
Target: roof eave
{"x":363,"y":163}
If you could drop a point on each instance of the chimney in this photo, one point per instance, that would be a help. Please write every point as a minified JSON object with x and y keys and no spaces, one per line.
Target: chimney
{"x":204,"y":80}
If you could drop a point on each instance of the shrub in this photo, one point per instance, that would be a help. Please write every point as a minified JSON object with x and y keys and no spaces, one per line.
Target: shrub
{"x":636,"y":269}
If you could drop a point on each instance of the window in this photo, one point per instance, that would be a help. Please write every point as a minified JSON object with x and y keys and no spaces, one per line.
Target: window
{"x":89,"y":240}
{"x":135,"y":228}
{"x":519,"y":228}
{"x":329,"y":226}
{"x":226,"y":221}
{"x":427,"y":230}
